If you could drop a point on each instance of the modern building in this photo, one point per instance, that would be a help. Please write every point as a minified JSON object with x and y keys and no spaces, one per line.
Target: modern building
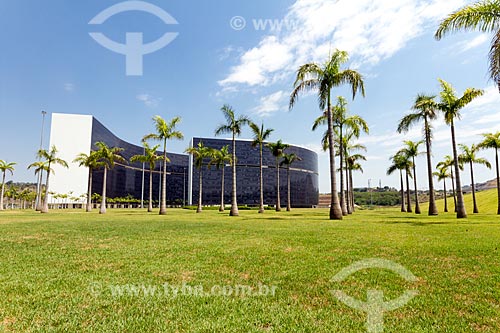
{"x":75,"y":134}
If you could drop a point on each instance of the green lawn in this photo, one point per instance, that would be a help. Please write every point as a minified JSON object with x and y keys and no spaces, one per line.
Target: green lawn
{"x":61,"y":272}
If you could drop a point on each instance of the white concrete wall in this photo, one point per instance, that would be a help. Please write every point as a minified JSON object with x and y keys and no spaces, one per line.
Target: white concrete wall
{"x":72,"y":135}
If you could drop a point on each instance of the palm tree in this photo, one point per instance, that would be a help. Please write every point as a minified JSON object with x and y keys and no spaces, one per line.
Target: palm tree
{"x":50,"y":158}
{"x":150,"y":157}
{"x":288,"y":160}
{"x":165,"y":130}
{"x":107,"y":157}
{"x":260,"y":135}
{"x":220,"y":157}
{"x":425,"y":110}
{"x":451,"y":105}
{"x":4,"y":167}
{"x":39,"y":167}
{"x":277,"y":149}
{"x":483,"y":16}
{"x":353,"y":165}
{"x":492,"y":141}
{"x":443,"y":174}
{"x":322,"y":79}
{"x":199,"y":154}
{"x":449,"y":164}
{"x":411,"y":151}
{"x":88,"y":161}
{"x":469,"y":156}
{"x":399,"y":163}
{"x":233,"y":125}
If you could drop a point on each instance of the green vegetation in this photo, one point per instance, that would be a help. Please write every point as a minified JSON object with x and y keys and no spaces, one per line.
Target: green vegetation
{"x":76,"y":271}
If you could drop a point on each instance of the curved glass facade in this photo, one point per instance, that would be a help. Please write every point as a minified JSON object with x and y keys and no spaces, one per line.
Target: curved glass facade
{"x":303,"y":176}
{"x":183,"y":179}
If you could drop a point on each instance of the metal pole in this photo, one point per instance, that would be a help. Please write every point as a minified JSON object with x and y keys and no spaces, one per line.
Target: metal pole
{"x":142,"y":185}
{"x":40,"y":178}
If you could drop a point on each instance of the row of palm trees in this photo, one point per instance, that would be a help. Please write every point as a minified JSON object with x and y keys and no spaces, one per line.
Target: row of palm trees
{"x":426,"y":109}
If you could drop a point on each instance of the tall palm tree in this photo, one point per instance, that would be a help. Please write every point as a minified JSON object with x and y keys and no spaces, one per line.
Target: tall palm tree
{"x":150,"y":157}
{"x":199,"y":153}
{"x":411,"y":151}
{"x":483,"y":16}
{"x":288,"y":160}
{"x":399,"y":163}
{"x":88,"y":161}
{"x":107,"y":157}
{"x":492,"y":141}
{"x":451,"y":105}
{"x":343,"y":121}
{"x":277,"y":149}
{"x":5,"y":167}
{"x":234,"y":125}
{"x":424,"y":109}
{"x":354,"y":165}
{"x":50,"y":158}
{"x":322,"y":79}
{"x":219,"y":158}
{"x":468,"y":155}
{"x":443,"y":174}
{"x":165,"y":130}
{"x":260,"y":135}
{"x":40,"y":167}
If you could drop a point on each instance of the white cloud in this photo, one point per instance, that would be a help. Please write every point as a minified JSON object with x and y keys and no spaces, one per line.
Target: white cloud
{"x":69,"y":87}
{"x":271,"y":104}
{"x":148,"y":100}
{"x":370,"y":31}
{"x":471,"y":44}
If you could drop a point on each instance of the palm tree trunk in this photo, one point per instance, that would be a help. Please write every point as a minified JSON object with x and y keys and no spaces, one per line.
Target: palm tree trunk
{"x":150,"y":203}
{"x":341,"y":162}
{"x":163,"y":200}
{"x":234,"y":204}
{"x":453,"y":189}
{"x":352,"y":192}
{"x":417,"y":206}
{"x":498,"y":181}
{"x":461,"y":212}
{"x":45,"y":206}
{"x":288,"y":202}
{"x":445,"y":197}
{"x":89,"y":192}
{"x":348,"y":186}
{"x":3,"y":191}
{"x":335,"y":209}
{"x":403,"y":207}
{"x":200,"y":194}
{"x":432,"y":199}
{"x":473,"y":185}
{"x":38,"y":205}
{"x":221,"y":208}
{"x":278,"y":201}
{"x":261,"y":207}
{"x":103,"y":198}
{"x":408,"y":194}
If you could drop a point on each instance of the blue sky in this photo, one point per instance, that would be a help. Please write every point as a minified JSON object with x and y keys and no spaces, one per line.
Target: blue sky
{"x":50,"y":62}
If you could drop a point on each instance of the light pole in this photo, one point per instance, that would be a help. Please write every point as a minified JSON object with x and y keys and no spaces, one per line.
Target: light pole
{"x":39,"y":181}
{"x":142,"y":183}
